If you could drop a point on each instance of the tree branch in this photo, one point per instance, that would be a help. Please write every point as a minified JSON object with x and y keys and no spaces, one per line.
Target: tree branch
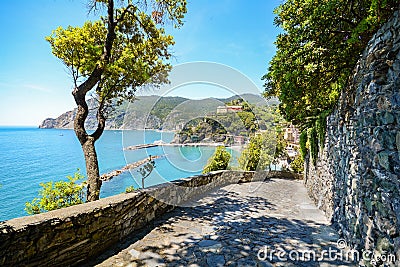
{"x":80,"y":116}
{"x":101,"y":121}
{"x":353,"y":24}
{"x":95,"y":76}
{"x":126,"y":10}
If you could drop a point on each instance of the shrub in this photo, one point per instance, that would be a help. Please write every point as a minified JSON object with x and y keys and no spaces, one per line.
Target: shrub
{"x":259,"y":153}
{"x":218,"y":161}
{"x":57,"y":195}
{"x":297,"y":164}
{"x":130,"y":189}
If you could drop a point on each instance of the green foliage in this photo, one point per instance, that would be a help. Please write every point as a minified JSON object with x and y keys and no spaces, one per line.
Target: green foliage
{"x":249,"y":120}
{"x":130,"y":189}
{"x":244,"y":123}
{"x":313,"y":144}
{"x":218,"y":161}
{"x":312,"y":139}
{"x":57,"y":195}
{"x":320,"y":126}
{"x":125,"y":58}
{"x":259,"y":153}
{"x":165,"y":105}
{"x":317,"y":51}
{"x":281,"y":144}
{"x":303,"y":144}
{"x":79,"y":47}
{"x":297,"y":165}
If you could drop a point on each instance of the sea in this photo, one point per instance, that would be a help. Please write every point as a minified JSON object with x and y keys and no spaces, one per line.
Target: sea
{"x":30,"y":156}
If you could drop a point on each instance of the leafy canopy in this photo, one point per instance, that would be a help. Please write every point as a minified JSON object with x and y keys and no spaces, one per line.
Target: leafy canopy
{"x":317,"y":51}
{"x":57,"y":195}
{"x":138,"y":51}
{"x":218,"y":161}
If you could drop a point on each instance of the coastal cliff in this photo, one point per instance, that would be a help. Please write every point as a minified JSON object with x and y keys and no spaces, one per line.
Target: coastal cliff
{"x":149,"y":112}
{"x":66,"y":121}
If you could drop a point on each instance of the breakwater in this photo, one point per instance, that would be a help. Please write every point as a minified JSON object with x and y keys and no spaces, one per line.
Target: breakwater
{"x":110,"y":175}
{"x":142,"y":146}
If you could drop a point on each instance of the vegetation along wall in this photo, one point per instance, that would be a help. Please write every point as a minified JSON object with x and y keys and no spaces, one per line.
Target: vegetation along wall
{"x":356,"y":178}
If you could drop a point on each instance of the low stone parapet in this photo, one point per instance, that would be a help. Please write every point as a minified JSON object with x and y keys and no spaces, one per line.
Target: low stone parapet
{"x":70,"y":236}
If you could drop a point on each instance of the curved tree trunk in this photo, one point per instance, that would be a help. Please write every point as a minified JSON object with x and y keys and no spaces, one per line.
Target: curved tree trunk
{"x":87,"y":142}
{"x":92,"y":170}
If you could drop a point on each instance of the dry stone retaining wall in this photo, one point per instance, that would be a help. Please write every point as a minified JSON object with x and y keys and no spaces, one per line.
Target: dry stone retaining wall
{"x":357,"y":177}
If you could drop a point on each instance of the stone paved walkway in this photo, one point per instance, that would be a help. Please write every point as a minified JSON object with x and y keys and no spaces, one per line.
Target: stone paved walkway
{"x":230,"y":227}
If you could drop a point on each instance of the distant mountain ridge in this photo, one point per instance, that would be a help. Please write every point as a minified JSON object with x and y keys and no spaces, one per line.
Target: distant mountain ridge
{"x":151,"y":112}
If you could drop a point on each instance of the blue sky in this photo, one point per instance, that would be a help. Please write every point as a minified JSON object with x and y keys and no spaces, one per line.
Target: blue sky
{"x":35,"y":85}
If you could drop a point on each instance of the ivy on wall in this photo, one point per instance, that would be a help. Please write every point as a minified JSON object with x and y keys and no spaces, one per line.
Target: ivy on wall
{"x":313,"y":143}
{"x":320,"y":126}
{"x":303,"y":144}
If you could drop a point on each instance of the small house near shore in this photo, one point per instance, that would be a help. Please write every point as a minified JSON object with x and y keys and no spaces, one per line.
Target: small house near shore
{"x":226,"y":109}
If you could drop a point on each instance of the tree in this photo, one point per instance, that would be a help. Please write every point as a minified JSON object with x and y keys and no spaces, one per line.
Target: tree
{"x":281,"y":144}
{"x":218,"y":161}
{"x":317,"y":51}
{"x":111,"y":58}
{"x":57,"y":195}
{"x":259,"y":153}
{"x":297,"y":165}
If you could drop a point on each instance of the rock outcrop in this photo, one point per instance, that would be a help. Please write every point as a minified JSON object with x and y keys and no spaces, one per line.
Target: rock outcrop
{"x":65,"y":121}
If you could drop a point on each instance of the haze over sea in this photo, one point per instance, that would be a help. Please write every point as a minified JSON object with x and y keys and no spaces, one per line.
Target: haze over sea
{"x":30,"y":156}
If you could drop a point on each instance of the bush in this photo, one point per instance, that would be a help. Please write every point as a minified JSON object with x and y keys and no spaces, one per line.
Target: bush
{"x":57,"y":195}
{"x":297,"y":164}
{"x":218,"y":161}
{"x":130,"y":189}
{"x":259,"y":153}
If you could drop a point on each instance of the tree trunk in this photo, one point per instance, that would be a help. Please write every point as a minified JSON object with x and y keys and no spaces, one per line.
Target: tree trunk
{"x":87,"y":142}
{"x":92,"y":170}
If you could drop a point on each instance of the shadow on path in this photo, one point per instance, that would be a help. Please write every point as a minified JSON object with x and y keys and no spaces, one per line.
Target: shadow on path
{"x":234,"y":227}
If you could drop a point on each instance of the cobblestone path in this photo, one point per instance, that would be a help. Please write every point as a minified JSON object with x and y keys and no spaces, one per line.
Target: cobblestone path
{"x":236,"y":225}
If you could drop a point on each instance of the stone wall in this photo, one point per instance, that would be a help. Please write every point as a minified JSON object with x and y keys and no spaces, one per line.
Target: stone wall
{"x":72,"y":235}
{"x":356,"y":180}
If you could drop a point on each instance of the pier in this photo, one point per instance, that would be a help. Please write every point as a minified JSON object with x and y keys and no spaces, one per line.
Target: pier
{"x":110,"y":175}
{"x":141,"y":146}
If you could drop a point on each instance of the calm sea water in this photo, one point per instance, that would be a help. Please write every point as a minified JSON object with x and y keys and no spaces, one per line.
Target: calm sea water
{"x":29,"y":156}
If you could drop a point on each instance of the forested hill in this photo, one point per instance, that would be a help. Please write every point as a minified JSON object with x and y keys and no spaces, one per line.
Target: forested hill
{"x":151,"y":112}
